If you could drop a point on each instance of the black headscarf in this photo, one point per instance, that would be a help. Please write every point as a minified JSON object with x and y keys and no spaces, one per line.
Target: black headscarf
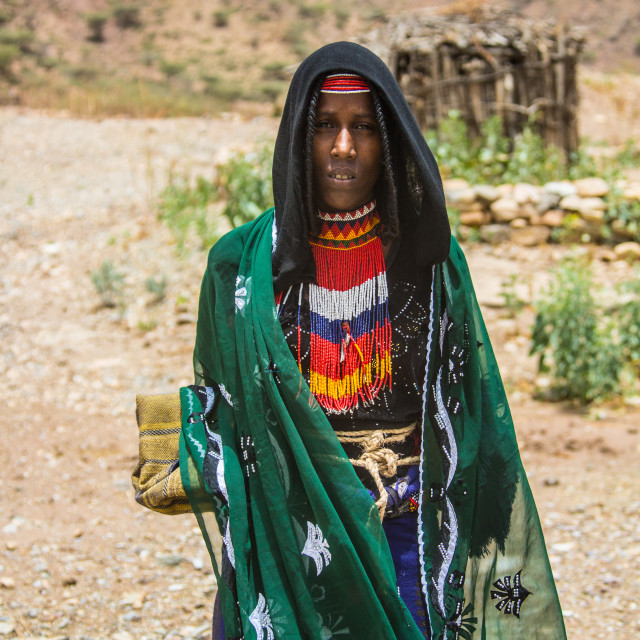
{"x":421,"y":204}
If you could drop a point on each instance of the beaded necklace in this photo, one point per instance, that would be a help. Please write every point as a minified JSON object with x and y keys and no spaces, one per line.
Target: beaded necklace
{"x":350,"y":347}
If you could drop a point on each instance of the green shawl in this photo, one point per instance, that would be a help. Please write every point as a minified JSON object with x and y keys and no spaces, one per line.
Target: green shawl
{"x":264,"y":470}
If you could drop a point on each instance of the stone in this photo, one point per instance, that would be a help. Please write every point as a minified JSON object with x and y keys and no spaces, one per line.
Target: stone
{"x":591,"y":187}
{"x":495,"y":233}
{"x":518,"y":223}
{"x":454,"y":184}
{"x":186,"y":318}
{"x":627,"y":251}
{"x":7,"y":583}
{"x":593,"y":204}
{"x":467,"y":207}
{"x":547,"y":201}
{"x":169,"y":560}
{"x":461,"y":196}
{"x":631,"y":191}
{"x":571,"y":203}
{"x":131,"y":616}
{"x":526,"y":193}
{"x":527,"y":210}
{"x":530,"y":236}
{"x":593,"y":215}
{"x":474,"y":218}
{"x":6,"y":628}
{"x":561,"y":188}
{"x":505,"y":190}
{"x":607,"y":255}
{"x":576,"y":203}
{"x":505,"y":210}
{"x":486,"y":193}
{"x":552,"y":218}
{"x":135,"y":599}
{"x":621,"y":229}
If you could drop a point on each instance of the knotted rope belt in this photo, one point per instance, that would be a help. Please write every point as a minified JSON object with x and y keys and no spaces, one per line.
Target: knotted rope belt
{"x":377,"y":459}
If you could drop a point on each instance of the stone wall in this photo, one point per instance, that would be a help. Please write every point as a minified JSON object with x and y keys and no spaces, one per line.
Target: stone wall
{"x":528,"y":215}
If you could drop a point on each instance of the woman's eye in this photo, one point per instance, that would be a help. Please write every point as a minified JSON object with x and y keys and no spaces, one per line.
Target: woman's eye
{"x":322,"y":124}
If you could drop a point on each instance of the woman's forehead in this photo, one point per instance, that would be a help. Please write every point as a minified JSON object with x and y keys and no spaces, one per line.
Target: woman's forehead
{"x":357,"y":103}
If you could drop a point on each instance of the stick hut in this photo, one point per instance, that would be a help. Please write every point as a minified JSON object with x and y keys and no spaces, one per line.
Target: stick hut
{"x":484,"y":63}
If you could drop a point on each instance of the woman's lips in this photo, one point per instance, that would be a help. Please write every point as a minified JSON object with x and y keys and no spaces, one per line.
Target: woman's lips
{"x":341,"y":176}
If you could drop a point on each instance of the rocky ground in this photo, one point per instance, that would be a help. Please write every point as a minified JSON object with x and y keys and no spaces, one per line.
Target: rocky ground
{"x":78,"y":557}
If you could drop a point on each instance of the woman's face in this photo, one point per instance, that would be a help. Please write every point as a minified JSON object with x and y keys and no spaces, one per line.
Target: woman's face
{"x":347,"y":151}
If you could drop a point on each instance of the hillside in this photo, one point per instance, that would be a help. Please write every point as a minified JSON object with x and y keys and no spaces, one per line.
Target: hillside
{"x":193,"y":57}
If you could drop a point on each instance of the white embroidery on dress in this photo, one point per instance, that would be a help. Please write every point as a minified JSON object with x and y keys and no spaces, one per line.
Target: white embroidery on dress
{"x":317,"y":547}
{"x":198,"y":445}
{"x":274,"y":233}
{"x":261,"y":620}
{"x":241,"y":298}
{"x":225,"y":394}
{"x":231,"y":554}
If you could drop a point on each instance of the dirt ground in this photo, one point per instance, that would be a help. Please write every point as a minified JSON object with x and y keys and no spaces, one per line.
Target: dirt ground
{"x":78,"y":557}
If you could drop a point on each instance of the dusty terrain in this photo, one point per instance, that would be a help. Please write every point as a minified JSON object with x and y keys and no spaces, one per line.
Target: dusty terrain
{"x":78,"y":557}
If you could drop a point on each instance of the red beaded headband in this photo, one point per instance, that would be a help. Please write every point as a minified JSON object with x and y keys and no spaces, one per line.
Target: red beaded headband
{"x":345,"y":83}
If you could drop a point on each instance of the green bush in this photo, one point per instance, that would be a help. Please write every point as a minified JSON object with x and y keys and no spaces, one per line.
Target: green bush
{"x":342,"y":16}
{"x":171,"y":68}
{"x":312,"y":11}
{"x":108,"y":283}
{"x":186,"y":210}
{"x":127,"y":17}
{"x":8,"y":53}
{"x":157,"y":287}
{"x":220,"y":19}
{"x":96,"y":23}
{"x":245,"y":183}
{"x":5,"y":15}
{"x":628,"y":320}
{"x":495,"y":159}
{"x":573,"y":337}
{"x":624,"y":213}
{"x":275,"y":71}
{"x":21,"y":38}
{"x":221,"y":88}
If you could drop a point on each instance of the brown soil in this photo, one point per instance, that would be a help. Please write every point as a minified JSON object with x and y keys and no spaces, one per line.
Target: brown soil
{"x":78,"y":557}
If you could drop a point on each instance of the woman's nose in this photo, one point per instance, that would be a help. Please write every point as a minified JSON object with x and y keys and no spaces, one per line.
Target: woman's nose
{"x":343,"y":146}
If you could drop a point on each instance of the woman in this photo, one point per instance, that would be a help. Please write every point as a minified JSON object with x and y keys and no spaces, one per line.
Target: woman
{"x":352,"y":440}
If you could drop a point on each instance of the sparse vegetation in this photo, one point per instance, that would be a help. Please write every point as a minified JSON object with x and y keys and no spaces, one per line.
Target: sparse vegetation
{"x":127,"y":16}
{"x":8,"y":53}
{"x":495,"y":159}
{"x":574,"y":338}
{"x":242,"y":187}
{"x":157,"y":287}
{"x":5,"y":15}
{"x":513,"y":303}
{"x":245,"y":184}
{"x":108,"y":282}
{"x":171,"y":68}
{"x":20,"y":38}
{"x":220,"y":19}
{"x":187,"y":210}
{"x":342,"y":16}
{"x":96,"y":23}
{"x":313,"y":11}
